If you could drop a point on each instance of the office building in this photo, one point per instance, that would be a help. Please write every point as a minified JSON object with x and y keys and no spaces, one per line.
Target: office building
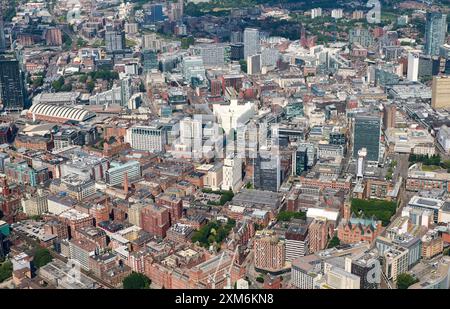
{"x":211,"y":54}
{"x":306,"y":272}
{"x":297,"y":241}
{"x":2,"y":33}
{"x":115,"y":175}
{"x":267,"y":172}
{"x":156,"y":13}
{"x":365,"y":267}
{"x":440,"y":92}
{"x":367,"y":134}
{"x":12,"y":96}
{"x":193,"y":70}
{"x":237,"y":51}
{"x":114,"y":41}
{"x":232,"y":173}
{"x":435,"y":32}
{"x":151,"y":138}
{"x":252,"y":44}
{"x":254,"y":64}
{"x":413,"y":67}
{"x":35,"y":205}
{"x":149,"y":60}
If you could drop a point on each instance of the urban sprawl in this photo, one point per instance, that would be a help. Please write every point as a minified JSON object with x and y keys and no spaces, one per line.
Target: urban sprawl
{"x":206,"y":144}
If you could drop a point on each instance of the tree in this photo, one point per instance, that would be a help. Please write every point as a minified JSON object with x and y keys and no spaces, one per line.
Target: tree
{"x":405,"y":280}
{"x":58,"y":84}
{"x":83,"y":78}
{"x":334,"y":242}
{"x":243,"y":65}
{"x":260,"y":279}
{"x":90,"y":86}
{"x":6,"y":270}
{"x":136,"y":281}
{"x":42,"y":257}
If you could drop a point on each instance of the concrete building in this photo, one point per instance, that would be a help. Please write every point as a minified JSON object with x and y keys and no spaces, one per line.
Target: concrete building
{"x":413,"y":66}
{"x":232,"y":173}
{"x":254,"y":64}
{"x":440,"y":92}
{"x":151,"y":138}
{"x":115,"y":175}
{"x":270,"y":254}
{"x":252,"y":44}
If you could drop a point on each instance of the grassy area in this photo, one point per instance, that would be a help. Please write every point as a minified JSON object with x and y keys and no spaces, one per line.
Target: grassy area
{"x":430,"y":168}
{"x":288,"y":215}
{"x":382,"y":210}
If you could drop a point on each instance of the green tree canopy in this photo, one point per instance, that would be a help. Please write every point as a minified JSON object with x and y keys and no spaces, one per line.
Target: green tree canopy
{"x":405,"y":280}
{"x":136,"y":281}
{"x":42,"y":257}
{"x":6,"y":270}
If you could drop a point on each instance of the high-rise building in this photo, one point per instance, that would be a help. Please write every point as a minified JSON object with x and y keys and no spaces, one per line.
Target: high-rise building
{"x":232,"y":173}
{"x":300,"y":160}
{"x":435,"y":32}
{"x":149,"y":60}
{"x":114,"y":41}
{"x":440,"y":92}
{"x":413,"y":67}
{"x":236,"y":37}
{"x":2,"y":33}
{"x":156,"y":13}
{"x":318,"y":234}
{"x":212,"y":54}
{"x":11,"y":85}
{"x":237,"y":51}
{"x":147,"y":138}
{"x":365,"y":267}
{"x":389,"y":116}
{"x":254,"y":64}
{"x":270,"y":254}
{"x":366,"y":134}
{"x":361,"y":36}
{"x":267,"y":172}
{"x":337,"y":13}
{"x":316,"y":12}
{"x":252,"y":44}
{"x":297,"y":241}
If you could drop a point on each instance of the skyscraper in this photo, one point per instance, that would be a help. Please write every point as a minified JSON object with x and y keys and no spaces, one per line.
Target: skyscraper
{"x":251,"y":42}
{"x":267,"y":173}
{"x":11,"y":85}
{"x":413,"y":67}
{"x":2,"y":33}
{"x":366,"y":134}
{"x":435,"y":32}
